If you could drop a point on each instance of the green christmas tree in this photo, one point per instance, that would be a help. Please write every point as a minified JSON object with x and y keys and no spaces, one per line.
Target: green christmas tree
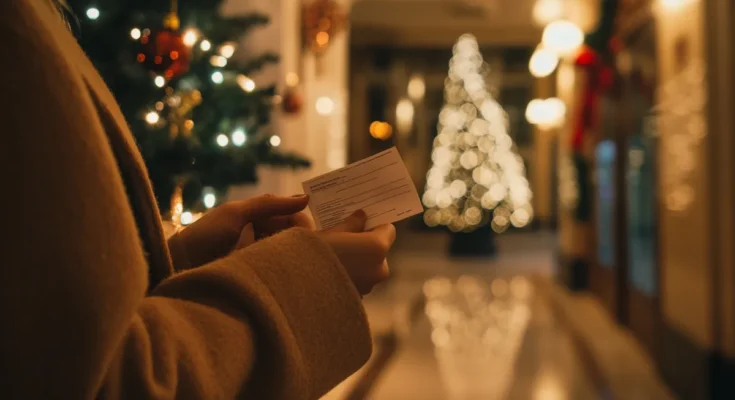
{"x":201,"y":123}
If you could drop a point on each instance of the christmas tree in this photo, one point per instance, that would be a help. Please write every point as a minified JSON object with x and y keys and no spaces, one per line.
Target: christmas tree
{"x":201,"y":123}
{"x":476,"y":177}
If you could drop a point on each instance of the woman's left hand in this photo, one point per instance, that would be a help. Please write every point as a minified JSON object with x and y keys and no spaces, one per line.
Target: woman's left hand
{"x":240,"y":223}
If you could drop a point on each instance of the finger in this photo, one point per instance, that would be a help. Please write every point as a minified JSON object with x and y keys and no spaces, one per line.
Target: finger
{"x":385,"y":234}
{"x":247,"y":237}
{"x":354,"y":223}
{"x":271,"y":226}
{"x":302,"y":219}
{"x":268,"y":205}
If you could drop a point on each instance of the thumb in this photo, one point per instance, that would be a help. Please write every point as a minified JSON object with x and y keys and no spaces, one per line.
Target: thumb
{"x":354,"y":223}
{"x":268,"y":205}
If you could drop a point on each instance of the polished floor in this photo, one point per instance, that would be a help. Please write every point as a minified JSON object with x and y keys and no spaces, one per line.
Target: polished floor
{"x":545,"y":366}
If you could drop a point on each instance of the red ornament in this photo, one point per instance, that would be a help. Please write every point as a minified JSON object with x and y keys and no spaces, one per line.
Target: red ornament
{"x":164,"y":53}
{"x":292,"y":101}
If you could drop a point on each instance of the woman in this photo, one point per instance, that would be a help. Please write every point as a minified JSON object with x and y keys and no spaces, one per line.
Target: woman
{"x":96,"y":304}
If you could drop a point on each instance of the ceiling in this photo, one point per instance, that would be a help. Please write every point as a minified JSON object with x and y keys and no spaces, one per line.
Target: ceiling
{"x":438,"y":23}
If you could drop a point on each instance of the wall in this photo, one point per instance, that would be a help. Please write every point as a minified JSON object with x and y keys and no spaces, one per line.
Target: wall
{"x":684,"y":222}
{"x":321,"y":138}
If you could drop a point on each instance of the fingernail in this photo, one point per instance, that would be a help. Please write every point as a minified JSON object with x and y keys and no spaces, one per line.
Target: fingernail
{"x":299,"y":195}
{"x":360,"y":214}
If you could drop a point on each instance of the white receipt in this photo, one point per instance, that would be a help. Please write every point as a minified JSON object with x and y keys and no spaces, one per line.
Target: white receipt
{"x":379,"y":185}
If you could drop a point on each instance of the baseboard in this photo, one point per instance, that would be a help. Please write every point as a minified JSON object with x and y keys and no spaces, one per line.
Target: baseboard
{"x":694,"y":372}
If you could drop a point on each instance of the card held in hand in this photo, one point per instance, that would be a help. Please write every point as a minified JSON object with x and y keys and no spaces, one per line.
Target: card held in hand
{"x":379,"y":185}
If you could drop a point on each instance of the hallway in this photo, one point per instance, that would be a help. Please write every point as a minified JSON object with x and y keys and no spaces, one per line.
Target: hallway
{"x":548,"y":362}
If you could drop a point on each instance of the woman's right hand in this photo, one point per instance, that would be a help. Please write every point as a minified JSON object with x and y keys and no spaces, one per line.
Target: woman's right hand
{"x":362,"y":253}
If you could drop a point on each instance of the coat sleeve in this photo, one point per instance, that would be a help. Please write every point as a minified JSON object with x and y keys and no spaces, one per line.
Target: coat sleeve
{"x":277,"y":320}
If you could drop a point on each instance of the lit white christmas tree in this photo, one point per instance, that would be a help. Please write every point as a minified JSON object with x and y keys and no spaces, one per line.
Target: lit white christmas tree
{"x":476,"y":177}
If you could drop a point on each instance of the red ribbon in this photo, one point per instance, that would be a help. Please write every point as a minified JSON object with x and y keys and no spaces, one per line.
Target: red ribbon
{"x":599,"y":78}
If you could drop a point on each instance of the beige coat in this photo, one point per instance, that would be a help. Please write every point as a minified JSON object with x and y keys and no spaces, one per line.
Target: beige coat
{"x":91,"y":306}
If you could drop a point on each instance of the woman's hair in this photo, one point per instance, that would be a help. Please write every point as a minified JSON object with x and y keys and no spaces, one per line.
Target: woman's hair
{"x":63,"y":9}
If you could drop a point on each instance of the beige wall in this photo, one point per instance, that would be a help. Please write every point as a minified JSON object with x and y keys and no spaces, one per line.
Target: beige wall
{"x":685,"y":230}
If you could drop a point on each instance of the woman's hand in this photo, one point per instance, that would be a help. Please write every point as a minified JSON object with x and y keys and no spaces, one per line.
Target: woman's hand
{"x":362,"y":253}
{"x":239,"y":223}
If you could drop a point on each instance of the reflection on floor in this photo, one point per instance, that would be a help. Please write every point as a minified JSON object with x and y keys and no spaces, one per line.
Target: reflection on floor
{"x":545,"y":364}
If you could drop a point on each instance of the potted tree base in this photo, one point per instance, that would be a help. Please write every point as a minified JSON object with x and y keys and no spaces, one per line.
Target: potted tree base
{"x":477,"y":243}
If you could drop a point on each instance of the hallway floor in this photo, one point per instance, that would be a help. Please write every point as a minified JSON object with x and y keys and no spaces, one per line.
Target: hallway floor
{"x":546,"y":364}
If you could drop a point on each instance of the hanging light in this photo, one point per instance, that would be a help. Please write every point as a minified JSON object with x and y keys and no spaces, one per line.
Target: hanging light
{"x":238,"y":137}
{"x":547,"y":11}
{"x":205,"y":45}
{"x":93,"y":13}
{"x":209,"y":198}
{"x":543,"y":62}
{"x":416,"y":88}
{"x":218,"y":77}
{"x":404,"y":116}
{"x":562,"y":37}
{"x":325,"y":105}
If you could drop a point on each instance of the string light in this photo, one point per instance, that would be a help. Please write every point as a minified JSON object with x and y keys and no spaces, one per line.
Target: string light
{"x":159,"y":81}
{"x":238,"y":137}
{"x":217,"y":77}
{"x":135,"y":33}
{"x":152,"y":117}
{"x":325,"y":105}
{"x":93,"y":13}
{"x":543,"y":62}
{"x":222,"y":140}
{"x":218,"y":61}
{"x":190,"y":37}
{"x":247,"y":84}
{"x":547,"y":113}
{"x":186,"y":218}
{"x":227,"y":50}
{"x":205,"y":45}
{"x":275,"y":141}
{"x":209,"y":198}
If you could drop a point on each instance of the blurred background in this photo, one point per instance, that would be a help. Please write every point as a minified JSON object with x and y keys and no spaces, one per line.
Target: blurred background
{"x":575,"y":160}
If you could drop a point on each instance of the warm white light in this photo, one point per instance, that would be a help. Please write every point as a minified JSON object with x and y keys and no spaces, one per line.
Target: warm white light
{"x":548,"y":11}
{"x":93,"y":13}
{"x":186,"y":218}
{"x":673,"y":5}
{"x":562,"y":37}
{"x":246,"y":83}
{"x":275,"y":141}
{"x":325,"y":105}
{"x":222,"y":140}
{"x":404,"y":116}
{"x":205,"y":45}
{"x":238,"y":137}
{"x":292,"y":79}
{"x":543,"y":62}
{"x":159,"y":81}
{"x":210,"y":199}
{"x":546,"y":113}
{"x":190,"y":37}
{"x":218,"y":61}
{"x":152,"y":117}
{"x":135,"y":33}
{"x":217,"y":77}
{"x":416,"y":88}
{"x":227,"y":50}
